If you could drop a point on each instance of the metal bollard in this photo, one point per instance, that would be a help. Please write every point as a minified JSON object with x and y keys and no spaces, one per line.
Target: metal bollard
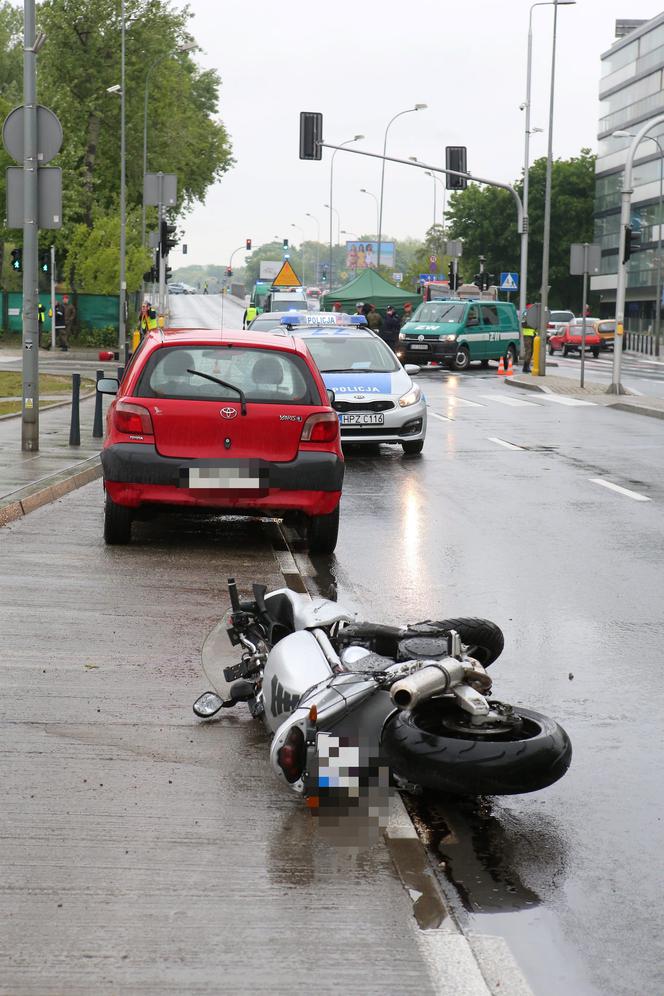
{"x":121,"y":371}
{"x":98,"y":425}
{"x":75,"y":424}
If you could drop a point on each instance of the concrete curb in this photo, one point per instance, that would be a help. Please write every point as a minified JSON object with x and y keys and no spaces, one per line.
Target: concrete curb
{"x":622,"y":406}
{"x":542,"y":388}
{"x":27,"y":499}
{"x":458,"y":965}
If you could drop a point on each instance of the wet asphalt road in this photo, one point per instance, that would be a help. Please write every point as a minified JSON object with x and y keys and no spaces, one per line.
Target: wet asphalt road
{"x":572,"y":571}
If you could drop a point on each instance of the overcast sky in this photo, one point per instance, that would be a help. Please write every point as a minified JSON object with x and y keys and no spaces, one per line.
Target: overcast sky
{"x":359,"y":63}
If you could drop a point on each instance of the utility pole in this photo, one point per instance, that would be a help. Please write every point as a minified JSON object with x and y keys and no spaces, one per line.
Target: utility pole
{"x":30,"y":406}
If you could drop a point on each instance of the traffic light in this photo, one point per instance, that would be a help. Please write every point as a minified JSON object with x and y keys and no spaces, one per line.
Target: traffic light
{"x":150,"y":277}
{"x":311,"y":135}
{"x":166,"y":240}
{"x":229,"y":271}
{"x":168,"y":273}
{"x":632,"y":241}
{"x":452,"y":277}
{"x":455,"y":158}
{"x":285,"y":246}
{"x":248,"y":245}
{"x":45,"y":262}
{"x":483,"y":280}
{"x":17,"y":260}
{"x":323,"y":274}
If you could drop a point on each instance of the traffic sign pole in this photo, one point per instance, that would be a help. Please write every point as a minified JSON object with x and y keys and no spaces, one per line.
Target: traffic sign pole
{"x":53,"y":298}
{"x":30,"y":404}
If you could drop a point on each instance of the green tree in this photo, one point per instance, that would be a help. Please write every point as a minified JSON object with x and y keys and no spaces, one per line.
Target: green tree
{"x":11,"y":60}
{"x":93,"y":254}
{"x":485,"y":218}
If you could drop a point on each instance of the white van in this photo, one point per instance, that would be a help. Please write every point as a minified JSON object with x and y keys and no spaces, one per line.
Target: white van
{"x":286,"y":300}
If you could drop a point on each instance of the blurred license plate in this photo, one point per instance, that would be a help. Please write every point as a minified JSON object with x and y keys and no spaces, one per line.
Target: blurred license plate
{"x":221,"y":477}
{"x":418,"y":345}
{"x":362,"y":418}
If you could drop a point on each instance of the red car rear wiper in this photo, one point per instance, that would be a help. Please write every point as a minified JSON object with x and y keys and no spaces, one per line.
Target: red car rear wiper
{"x":231,"y":387}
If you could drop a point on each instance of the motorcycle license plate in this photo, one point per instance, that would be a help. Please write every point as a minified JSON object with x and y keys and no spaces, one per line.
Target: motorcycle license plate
{"x":362,"y":418}
{"x":419,"y":345}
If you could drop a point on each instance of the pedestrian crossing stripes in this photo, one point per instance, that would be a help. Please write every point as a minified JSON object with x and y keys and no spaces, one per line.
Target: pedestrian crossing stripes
{"x":511,"y":402}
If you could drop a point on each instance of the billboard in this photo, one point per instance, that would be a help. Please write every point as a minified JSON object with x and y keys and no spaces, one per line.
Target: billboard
{"x":364,"y":255}
{"x":269,"y":268}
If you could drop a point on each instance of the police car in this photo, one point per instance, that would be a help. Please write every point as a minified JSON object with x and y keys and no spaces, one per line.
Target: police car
{"x":374,"y":395}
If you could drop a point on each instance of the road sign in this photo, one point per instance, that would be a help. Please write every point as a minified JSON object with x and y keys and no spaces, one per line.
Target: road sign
{"x":397,"y":277}
{"x":509,"y":281}
{"x":454,"y":248}
{"x":49,"y":180}
{"x":584,"y":258}
{"x":286,"y":277}
{"x":49,"y":135}
{"x":269,"y":268}
{"x":160,"y":188}
{"x":433,"y":259}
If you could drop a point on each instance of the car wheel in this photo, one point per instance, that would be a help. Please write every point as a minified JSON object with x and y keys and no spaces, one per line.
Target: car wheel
{"x":117,"y":523}
{"x":510,"y":354}
{"x":462,"y":358}
{"x":323,"y":532}
{"x":595,"y":353}
{"x":413,"y":447}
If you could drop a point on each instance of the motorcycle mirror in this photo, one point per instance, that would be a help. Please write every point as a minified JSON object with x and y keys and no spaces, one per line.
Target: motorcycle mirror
{"x":208,"y":704}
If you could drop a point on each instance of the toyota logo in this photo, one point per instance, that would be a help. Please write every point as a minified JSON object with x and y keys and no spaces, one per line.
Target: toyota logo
{"x":228,"y":412}
{"x":420,"y":338}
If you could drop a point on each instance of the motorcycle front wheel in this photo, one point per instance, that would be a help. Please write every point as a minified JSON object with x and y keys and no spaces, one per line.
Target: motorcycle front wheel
{"x":435,"y":747}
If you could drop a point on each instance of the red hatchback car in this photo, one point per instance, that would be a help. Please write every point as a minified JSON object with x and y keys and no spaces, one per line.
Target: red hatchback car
{"x":234,"y":422}
{"x":568,"y":339}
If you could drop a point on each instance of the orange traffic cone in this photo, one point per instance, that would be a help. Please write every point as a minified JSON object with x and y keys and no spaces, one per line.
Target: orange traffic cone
{"x":510,"y":367}
{"x":501,"y":368}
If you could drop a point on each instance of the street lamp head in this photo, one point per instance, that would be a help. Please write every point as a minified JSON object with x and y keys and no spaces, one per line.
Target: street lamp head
{"x":420,"y":107}
{"x":187,"y":47}
{"x":358,"y":138}
{"x":536,"y":131}
{"x":563,"y":3}
{"x":114,"y":89}
{"x":621,"y":133}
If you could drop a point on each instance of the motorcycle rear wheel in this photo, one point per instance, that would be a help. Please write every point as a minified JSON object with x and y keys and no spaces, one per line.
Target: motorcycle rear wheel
{"x":429,"y":747}
{"x":485,"y":640}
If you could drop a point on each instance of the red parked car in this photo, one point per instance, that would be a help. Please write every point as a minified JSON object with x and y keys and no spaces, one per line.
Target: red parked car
{"x":568,"y":339}
{"x":238,"y":422}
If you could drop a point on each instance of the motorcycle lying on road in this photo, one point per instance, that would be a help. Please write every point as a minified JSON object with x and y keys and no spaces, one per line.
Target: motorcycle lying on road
{"x":341,"y":696}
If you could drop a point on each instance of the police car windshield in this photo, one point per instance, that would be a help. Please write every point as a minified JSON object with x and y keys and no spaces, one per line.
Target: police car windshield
{"x":344,"y":354}
{"x":439,"y":311}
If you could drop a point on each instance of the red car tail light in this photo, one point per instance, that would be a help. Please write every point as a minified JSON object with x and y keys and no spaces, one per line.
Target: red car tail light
{"x":322,"y":427}
{"x":133,"y":419}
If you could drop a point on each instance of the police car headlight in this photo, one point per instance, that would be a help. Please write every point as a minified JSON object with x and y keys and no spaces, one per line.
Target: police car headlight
{"x":402,"y":335}
{"x":411,"y":398}
{"x":447,"y":338}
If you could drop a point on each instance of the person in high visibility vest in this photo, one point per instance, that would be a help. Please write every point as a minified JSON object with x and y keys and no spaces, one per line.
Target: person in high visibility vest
{"x":148,"y":318}
{"x":41,"y":316}
{"x":249,"y":316}
{"x":528,"y":341}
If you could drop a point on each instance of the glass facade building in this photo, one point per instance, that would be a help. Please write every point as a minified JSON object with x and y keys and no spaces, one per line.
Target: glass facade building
{"x":631,"y":92}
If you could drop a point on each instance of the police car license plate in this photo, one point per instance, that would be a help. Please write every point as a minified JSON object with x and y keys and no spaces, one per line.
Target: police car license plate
{"x":362,"y":418}
{"x":418,"y":345}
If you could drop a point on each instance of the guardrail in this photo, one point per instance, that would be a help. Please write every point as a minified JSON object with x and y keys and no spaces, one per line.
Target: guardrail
{"x":640,"y":342}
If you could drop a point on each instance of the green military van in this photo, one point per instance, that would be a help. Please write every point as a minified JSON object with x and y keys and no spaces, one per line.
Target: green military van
{"x":455,"y":333}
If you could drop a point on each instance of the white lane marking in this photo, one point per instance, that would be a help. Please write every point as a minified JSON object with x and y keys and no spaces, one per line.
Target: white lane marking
{"x":443,"y":418}
{"x":616,"y":487}
{"x":503,"y":442}
{"x":455,"y":399}
{"x":560,"y":399}
{"x":512,"y":402}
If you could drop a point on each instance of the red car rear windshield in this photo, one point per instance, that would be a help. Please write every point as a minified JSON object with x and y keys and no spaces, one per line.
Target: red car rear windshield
{"x":264,"y":375}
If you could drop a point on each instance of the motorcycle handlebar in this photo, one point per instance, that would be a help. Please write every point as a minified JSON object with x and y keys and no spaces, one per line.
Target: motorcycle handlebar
{"x":423,"y":684}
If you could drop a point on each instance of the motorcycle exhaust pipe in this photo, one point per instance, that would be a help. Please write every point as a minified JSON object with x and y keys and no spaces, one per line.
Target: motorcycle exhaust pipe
{"x":428,"y":681}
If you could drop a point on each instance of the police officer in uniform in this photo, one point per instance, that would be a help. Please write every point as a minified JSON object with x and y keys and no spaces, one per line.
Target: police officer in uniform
{"x":528,"y":343}
{"x":249,"y":315}
{"x":148,"y":318}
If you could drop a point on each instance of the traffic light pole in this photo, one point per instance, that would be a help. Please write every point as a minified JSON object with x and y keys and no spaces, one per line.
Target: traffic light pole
{"x":30,"y":405}
{"x":53,"y":298}
{"x":615,"y":387}
{"x":161,"y":300}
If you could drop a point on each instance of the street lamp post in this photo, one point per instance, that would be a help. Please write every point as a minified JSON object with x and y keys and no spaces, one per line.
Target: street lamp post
{"x":409,"y":110}
{"x":349,"y":141}
{"x":363,"y":190}
{"x":625,"y":218}
{"x":433,"y":178}
{"x":437,"y":179}
{"x":313,"y":218}
{"x":658,"y":288}
{"x":301,"y":231}
{"x":544,"y":294}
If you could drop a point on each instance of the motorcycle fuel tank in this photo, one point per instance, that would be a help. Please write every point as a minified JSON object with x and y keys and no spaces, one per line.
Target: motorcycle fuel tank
{"x":293,"y":665}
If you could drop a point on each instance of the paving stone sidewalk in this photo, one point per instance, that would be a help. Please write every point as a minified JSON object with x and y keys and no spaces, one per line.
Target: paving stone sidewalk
{"x":628,"y":402}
